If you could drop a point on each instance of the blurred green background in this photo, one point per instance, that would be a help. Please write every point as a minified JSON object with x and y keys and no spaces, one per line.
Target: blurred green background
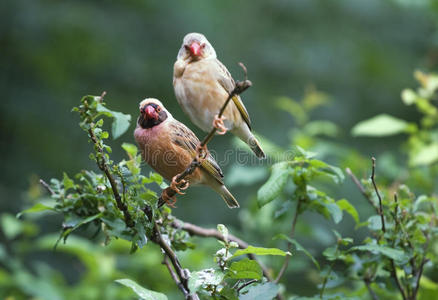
{"x":360,"y":53}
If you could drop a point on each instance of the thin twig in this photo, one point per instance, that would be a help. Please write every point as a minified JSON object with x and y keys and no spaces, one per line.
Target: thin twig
{"x":174,"y":276}
{"x":47,"y":186}
{"x":394,"y":269}
{"x":370,"y":290}
{"x":239,"y":88}
{"x":180,"y":272}
{"x":421,"y":267}
{"x":246,"y":284}
{"x":398,"y":225}
{"x":289,"y":244}
{"x":377,"y":193}
{"x":361,"y":189}
{"x":397,"y":281}
{"x":324,"y":283}
{"x":104,"y":168}
{"x":417,"y":281}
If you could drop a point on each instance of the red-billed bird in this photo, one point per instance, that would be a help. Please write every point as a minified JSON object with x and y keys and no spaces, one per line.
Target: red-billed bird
{"x":169,"y":147}
{"x":202,"y":85}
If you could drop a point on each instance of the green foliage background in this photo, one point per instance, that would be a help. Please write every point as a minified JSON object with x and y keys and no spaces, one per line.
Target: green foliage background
{"x":361,"y":54}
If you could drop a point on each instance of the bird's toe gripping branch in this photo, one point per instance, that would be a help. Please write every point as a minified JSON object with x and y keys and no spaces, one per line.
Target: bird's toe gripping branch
{"x":177,"y":186}
{"x":169,"y":200}
{"x":201,"y":152}
{"x":168,"y":195}
{"x":218,"y":123}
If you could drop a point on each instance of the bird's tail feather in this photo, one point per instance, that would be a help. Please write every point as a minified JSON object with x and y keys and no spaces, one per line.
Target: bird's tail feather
{"x":256,"y":148}
{"x":228,"y":197}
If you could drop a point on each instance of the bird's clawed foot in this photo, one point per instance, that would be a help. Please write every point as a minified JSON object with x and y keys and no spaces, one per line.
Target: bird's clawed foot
{"x":202,"y":152}
{"x":169,"y":200}
{"x":177,"y":186}
{"x":218,"y":123}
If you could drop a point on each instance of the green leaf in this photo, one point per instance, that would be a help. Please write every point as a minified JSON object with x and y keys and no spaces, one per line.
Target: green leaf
{"x":395,"y":254}
{"x":67,"y":182}
{"x":130,"y":149}
{"x":36,"y":208}
{"x":408,"y":96}
{"x":375,"y":223}
{"x":141,"y":291}
{"x":263,"y":291}
{"x":120,"y":123}
{"x":425,"y":156}
{"x":334,"y":211}
{"x":298,"y":247}
{"x":229,"y":293}
{"x":275,"y":184}
{"x":349,"y":208}
{"x":245,"y":268}
{"x":205,"y":277}
{"x":259,"y":251}
{"x":11,"y":226}
{"x":381,"y":125}
{"x":326,"y":128}
{"x":74,"y":223}
{"x":223,"y":230}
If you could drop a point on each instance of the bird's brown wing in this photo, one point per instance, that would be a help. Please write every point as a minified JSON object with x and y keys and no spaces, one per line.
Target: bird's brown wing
{"x":227,"y":82}
{"x":184,"y":138}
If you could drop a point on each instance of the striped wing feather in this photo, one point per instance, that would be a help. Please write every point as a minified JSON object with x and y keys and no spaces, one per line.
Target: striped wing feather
{"x":227,"y":82}
{"x":187,"y":140}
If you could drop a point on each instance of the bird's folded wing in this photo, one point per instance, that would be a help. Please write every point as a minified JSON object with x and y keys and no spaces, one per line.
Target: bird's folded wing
{"x":227,"y":82}
{"x":187,"y":140}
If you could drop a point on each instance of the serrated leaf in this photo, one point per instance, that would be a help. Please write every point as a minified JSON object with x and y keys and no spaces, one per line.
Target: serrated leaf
{"x":395,"y":254}
{"x":349,"y":208}
{"x":142,"y":292}
{"x":263,"y":291}
{"x":275,"y":184}
{"x":259,"y":251}
{"x":381,"y":125}
{"x":245,"y":269}
{"x":298,"y":247}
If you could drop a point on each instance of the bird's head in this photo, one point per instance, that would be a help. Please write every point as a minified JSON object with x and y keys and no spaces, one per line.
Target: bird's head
{"x":152,"y":113}
{"x":195,"y":46}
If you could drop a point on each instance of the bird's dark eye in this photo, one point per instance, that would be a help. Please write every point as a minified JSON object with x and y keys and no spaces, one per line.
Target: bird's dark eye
{"x":187,"y":47}
{"x":203,"y":46}
{"x":158,"y":109}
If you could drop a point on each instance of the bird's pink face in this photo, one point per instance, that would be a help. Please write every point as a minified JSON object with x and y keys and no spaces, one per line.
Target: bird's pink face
{"x":195,"y":48}
{"x":151,"y":114}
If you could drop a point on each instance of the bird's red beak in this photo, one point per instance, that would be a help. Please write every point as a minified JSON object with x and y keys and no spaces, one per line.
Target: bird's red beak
{"x":195,"y":49}
{"x":150,"y":113}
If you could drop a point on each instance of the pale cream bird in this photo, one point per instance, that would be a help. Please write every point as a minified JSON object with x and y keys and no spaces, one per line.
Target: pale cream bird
{"x":202,"y":85}
{"x":169,"y":147}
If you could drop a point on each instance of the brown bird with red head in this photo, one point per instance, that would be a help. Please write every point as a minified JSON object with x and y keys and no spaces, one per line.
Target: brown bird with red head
{"x":169,"y":147}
